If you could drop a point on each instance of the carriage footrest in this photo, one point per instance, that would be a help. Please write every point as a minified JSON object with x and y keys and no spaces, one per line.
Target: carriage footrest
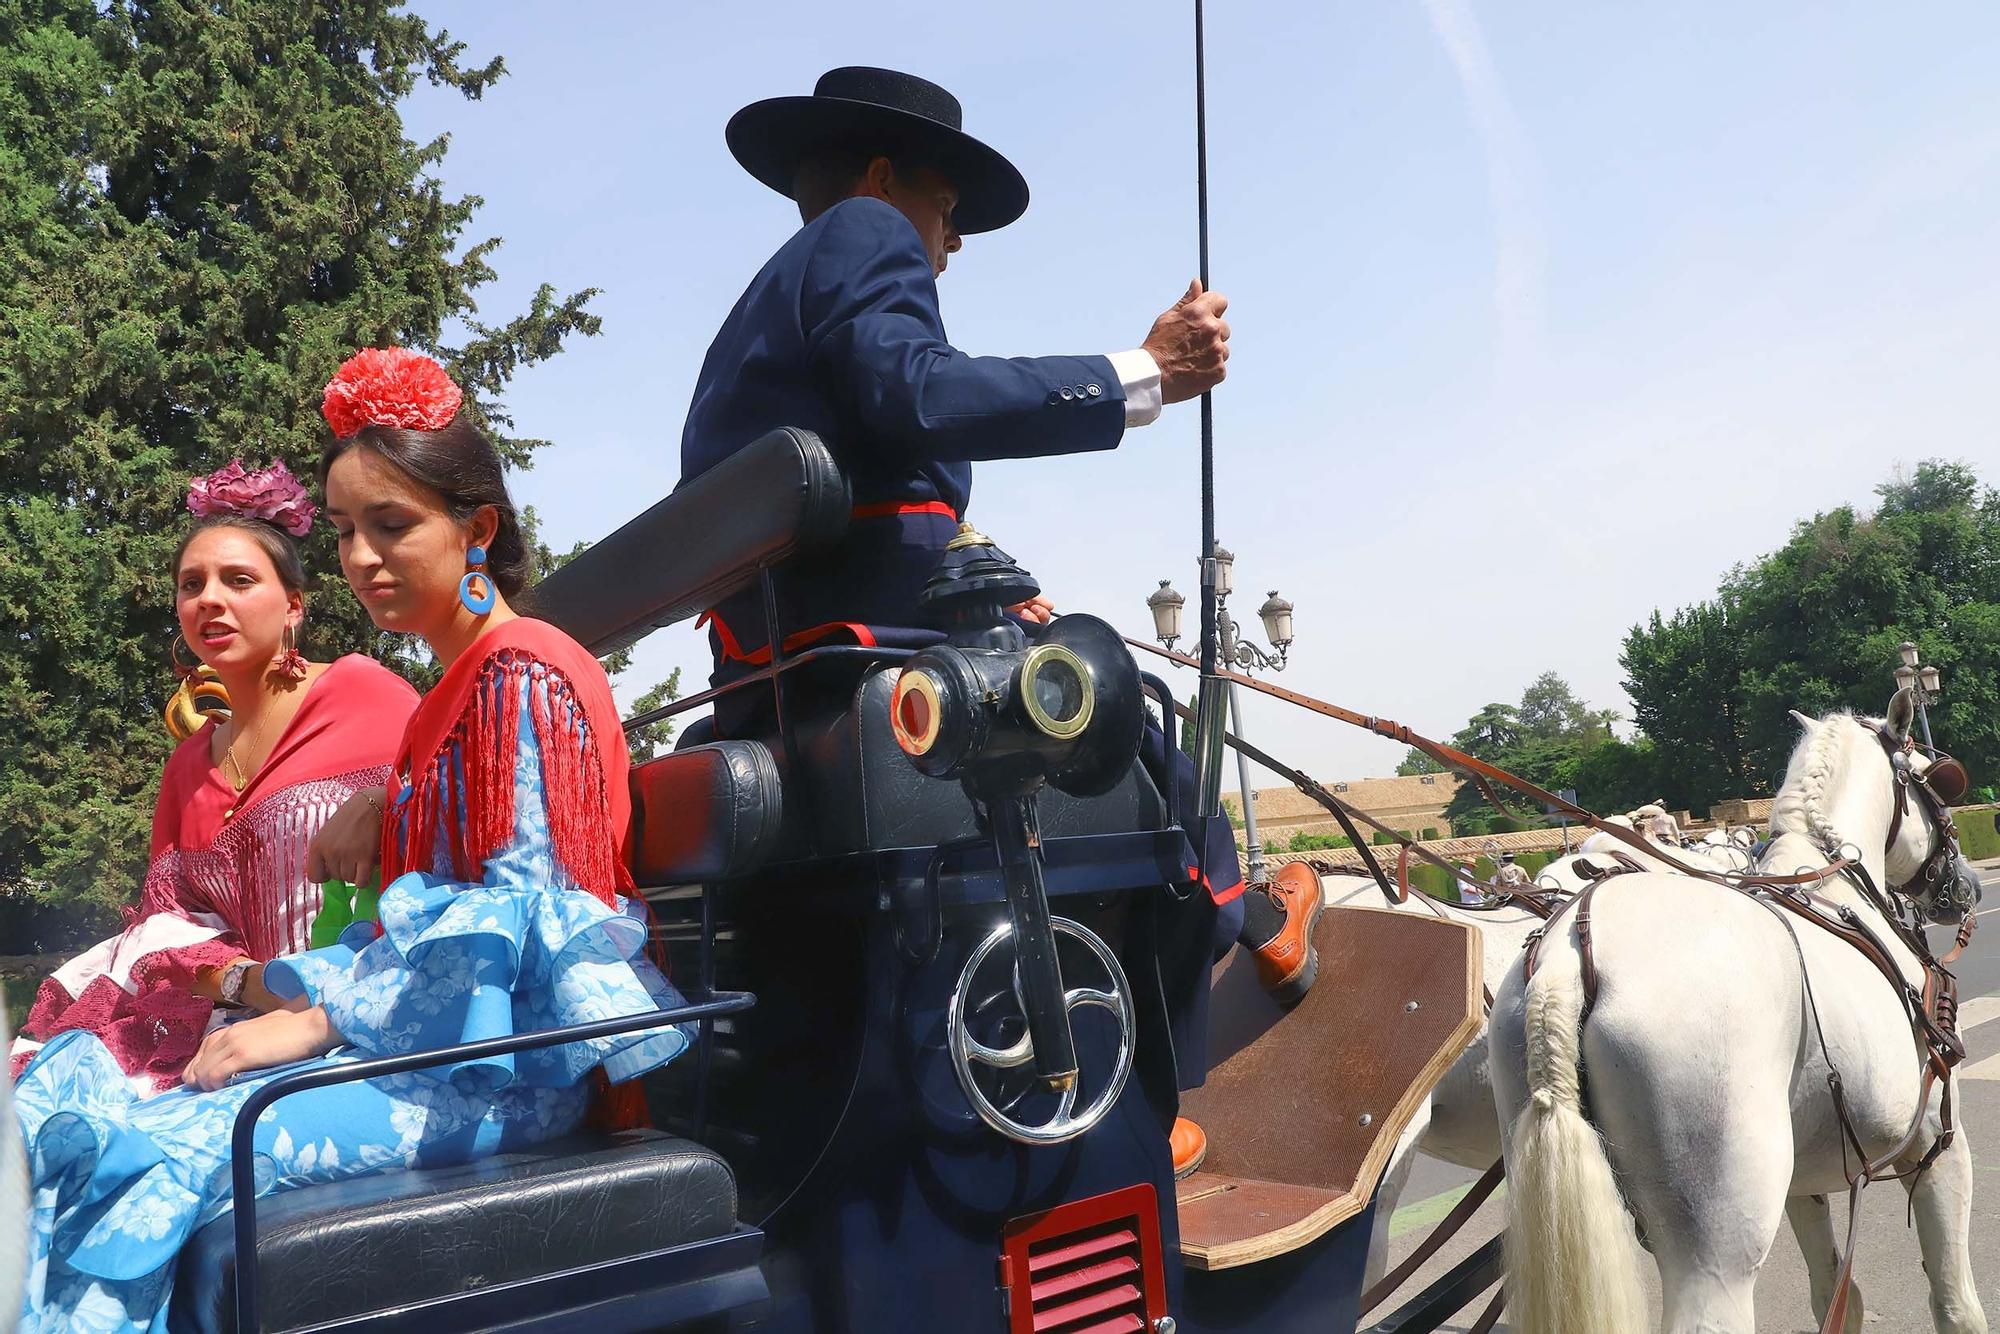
{"x":1228,"y":1221}
{"x":519,"y":1221}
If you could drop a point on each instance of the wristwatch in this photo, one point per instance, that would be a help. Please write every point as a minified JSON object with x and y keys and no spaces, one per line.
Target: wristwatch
{"x":233,"y":979}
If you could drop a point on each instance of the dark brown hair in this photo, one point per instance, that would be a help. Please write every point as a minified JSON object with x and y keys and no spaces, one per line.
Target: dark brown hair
{"x":830,"y":173}
{"x":459,"y":465}
{"x":276,"y":542}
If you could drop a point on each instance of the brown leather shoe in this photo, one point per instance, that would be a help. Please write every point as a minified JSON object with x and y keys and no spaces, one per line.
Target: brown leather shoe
{"x":1288,"y":963}
{"x":1189,"y":1147}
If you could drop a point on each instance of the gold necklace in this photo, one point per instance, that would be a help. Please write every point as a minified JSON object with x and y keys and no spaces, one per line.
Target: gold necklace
{"x":239,"y":781}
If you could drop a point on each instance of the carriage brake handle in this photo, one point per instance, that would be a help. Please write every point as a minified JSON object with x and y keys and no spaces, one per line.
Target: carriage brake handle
{"x":1037,"y":974}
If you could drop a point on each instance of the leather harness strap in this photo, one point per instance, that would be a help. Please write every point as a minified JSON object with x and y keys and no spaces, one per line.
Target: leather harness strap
{"x":1443,"y":1232}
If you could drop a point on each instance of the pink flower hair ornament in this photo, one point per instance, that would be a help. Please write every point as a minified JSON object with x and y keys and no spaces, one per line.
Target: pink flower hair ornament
{"x":271,"y":494}
{"x":389,"y":386}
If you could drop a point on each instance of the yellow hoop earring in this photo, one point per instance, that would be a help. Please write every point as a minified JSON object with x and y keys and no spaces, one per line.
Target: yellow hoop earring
{"x":199,"y":697}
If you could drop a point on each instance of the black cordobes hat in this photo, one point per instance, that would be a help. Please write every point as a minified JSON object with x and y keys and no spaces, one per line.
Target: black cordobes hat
{"x":880,"y":111}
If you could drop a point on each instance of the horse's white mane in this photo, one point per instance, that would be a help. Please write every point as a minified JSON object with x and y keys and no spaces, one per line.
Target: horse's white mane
{"x":1800,"y":806}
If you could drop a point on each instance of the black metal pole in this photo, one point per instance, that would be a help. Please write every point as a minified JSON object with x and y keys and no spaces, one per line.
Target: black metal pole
{"x":1212,"y":700}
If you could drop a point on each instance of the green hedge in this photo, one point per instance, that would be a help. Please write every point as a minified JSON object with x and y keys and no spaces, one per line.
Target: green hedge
{"x":1977,"y":832}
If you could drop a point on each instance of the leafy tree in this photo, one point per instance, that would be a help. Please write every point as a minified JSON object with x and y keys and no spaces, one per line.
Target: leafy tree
{"x":1490,"y":732}
{"x":651,"y":739}
{"x":1550,"y":711}
{"x":203,"y":208}
{"x":1417,"y":762}
{"x":1814,"y":626}
{"x":1545,"y":739}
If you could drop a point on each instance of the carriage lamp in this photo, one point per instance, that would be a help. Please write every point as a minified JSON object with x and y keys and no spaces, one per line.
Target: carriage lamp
{"x":1921,"y":680}
{"x":1006,"y":717}
{"x":1165,"y":604}
{"x":1225,"y":561}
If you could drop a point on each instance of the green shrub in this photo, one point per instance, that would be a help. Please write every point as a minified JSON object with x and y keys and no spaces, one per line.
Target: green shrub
{"x":1978,"y":833}
{"x":1434,"y":881}
{"x":1303,"y":841}
{"x":1430,"y":833}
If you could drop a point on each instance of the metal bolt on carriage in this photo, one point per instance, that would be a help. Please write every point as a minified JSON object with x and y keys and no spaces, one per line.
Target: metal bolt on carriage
{"x":919,"y":923}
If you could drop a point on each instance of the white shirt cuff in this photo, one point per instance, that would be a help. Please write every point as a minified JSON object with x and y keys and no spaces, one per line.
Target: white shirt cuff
{"x":1140,"y":375}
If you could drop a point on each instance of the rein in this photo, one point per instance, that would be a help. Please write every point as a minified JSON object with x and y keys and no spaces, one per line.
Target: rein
{"x":1484,"y":774}
{"x":1400,"y":891}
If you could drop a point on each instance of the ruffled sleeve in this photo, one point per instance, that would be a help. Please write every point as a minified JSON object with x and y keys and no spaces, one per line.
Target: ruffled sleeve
{"x":520,"y":949}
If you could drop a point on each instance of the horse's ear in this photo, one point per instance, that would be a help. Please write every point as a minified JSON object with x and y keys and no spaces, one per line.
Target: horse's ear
{"x":1803,"y":721}
{"x":1902,"y":712}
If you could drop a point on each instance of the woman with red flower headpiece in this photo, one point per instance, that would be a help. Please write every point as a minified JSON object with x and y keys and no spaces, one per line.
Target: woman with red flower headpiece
{"x":504,"y":910}
{"x":227,"y":887}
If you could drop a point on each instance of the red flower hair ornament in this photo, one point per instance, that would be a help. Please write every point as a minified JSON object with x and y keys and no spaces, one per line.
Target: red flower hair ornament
{"x":389,"y":386}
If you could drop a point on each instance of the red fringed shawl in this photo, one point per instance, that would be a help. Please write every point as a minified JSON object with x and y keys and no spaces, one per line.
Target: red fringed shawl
{"x":474,"y":712}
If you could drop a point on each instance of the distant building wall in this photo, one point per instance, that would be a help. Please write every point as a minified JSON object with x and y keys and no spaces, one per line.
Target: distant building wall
{"x":1411,"y":804}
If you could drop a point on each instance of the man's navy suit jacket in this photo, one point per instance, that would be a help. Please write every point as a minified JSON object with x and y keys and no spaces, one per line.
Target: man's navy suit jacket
{"x":840,"y":334}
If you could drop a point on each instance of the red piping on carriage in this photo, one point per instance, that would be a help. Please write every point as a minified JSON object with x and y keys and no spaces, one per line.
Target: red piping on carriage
{"x":732,"y":651}
{"x":892,"y":508}
{"x":1195,"y":873}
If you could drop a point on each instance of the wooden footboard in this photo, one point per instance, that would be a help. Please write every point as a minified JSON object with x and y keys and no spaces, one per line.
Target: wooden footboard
{"x":1305,"y":1108}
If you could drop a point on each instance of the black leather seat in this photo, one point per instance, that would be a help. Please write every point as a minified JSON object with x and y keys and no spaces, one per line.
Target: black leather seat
{"x":458,"y":1237}
{"x":705,"y":813}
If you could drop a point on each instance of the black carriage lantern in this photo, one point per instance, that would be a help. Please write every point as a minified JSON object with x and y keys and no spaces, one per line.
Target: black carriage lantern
{"x":1166,"y":604}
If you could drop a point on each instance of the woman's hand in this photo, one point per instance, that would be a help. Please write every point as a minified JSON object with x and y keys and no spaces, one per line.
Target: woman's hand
{"x":270,"y":1039}
{"x":346,"y":847}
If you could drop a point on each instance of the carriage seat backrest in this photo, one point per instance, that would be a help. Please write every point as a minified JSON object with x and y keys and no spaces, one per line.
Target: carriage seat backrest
{"x":705,"y":813}
{"x":776,"y":498}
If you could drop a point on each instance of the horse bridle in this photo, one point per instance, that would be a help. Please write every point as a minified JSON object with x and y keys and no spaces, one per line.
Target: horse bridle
{"x":1936,"y":785}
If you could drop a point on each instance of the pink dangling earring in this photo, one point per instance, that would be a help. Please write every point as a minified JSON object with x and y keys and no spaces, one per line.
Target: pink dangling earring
{"x":290,"y":664}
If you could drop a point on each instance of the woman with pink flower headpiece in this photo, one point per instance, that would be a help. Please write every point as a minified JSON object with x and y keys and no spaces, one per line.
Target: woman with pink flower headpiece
{"x":226,"y":889}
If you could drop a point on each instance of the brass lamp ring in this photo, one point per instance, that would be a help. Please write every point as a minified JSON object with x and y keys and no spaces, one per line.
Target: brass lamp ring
{"x":1055,"y":657}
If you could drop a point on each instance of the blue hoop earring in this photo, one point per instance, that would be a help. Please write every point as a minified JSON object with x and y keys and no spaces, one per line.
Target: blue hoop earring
{"x":477,"y":603}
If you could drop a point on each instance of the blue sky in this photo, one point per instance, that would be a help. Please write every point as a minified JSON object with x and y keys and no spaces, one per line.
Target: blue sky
{"x":1545,"y":315}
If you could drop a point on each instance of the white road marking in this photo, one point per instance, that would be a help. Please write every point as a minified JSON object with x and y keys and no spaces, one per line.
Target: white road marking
{"x":1986,"y":1069}
{"x":1977,"y":1011}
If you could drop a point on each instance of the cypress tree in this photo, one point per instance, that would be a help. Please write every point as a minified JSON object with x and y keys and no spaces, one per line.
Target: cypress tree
{"x":204,"y":206}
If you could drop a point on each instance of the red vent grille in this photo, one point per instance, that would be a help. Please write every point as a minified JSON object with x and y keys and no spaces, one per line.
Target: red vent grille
{"x":1090,"y":1267}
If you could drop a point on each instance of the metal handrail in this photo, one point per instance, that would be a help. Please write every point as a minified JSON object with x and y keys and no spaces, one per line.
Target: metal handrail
{"x":242,"y":1138}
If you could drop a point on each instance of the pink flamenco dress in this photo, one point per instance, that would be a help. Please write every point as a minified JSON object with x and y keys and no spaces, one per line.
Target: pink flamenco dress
{"x":226,"y":878}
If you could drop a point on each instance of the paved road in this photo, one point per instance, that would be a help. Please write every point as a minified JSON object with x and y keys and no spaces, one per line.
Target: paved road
{"x":1889,"y":1270}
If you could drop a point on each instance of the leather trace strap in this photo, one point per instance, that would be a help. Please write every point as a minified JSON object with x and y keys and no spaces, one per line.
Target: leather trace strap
{"x":1446,"y":1229}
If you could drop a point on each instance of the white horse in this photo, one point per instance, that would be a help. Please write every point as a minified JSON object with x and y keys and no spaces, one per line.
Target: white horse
{"x":1705,"y":1072}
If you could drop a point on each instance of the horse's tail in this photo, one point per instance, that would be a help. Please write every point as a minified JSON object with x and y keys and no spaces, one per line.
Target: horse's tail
{"x":1572,"y":1256}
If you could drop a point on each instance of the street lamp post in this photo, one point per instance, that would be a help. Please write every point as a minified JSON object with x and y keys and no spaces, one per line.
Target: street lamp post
{"x":1233,"y":651}
{"x":1922,"y":679}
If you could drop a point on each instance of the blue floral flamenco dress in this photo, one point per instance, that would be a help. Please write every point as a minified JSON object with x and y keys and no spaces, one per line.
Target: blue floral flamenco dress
{"x":119,"y":1183}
